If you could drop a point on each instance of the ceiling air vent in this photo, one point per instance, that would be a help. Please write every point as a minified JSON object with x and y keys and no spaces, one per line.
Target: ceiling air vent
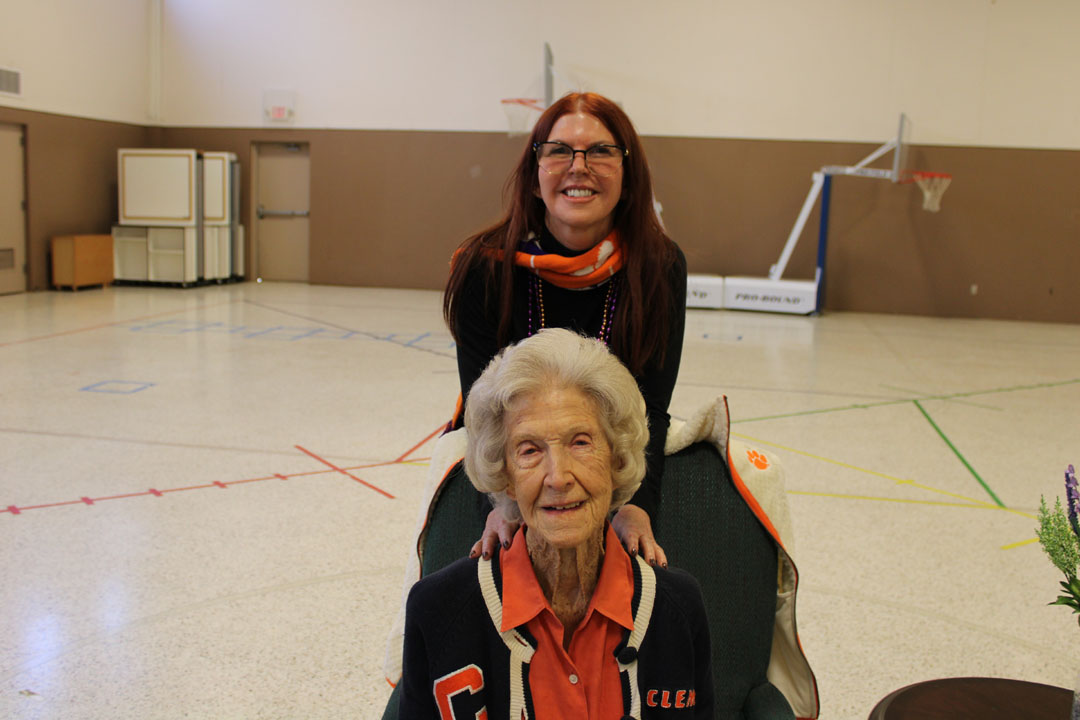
{"x":10,"y":82}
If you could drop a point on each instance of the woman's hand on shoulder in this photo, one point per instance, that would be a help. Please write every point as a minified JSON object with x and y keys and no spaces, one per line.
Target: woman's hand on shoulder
{"x":497,"y":531}
{"x":634,"y":529}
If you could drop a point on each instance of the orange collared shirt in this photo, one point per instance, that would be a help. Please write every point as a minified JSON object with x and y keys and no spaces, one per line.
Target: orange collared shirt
{"x":584,"y":682}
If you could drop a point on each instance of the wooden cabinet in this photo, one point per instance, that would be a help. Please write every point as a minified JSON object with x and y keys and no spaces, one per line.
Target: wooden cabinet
{"x":81,"y":260}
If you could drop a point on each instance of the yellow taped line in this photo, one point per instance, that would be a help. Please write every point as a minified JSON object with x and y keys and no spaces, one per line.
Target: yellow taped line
{"x":968,"y":501}
{"x":975,"y":506}
{"x":1019,"y":544}
{"x":987,"y":505}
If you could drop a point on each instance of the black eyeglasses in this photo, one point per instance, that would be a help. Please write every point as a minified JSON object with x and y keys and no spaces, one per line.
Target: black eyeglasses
{"x":557,"y":157}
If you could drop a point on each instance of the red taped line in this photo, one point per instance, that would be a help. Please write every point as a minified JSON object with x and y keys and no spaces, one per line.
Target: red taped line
{"x":121,"y":497}
{"x":220,"y":484}
{"x":417,"y":445}
{"x":344,"y":472}
{"x":190,"y":487}
{"x":51,"y":505}
{"x":241,"y":482}
{"x":279,"y":475}
{"x":87,"y":500}
{"x":155,"y":493}
{"x":12,"y":509}
{"x":309,"y":472}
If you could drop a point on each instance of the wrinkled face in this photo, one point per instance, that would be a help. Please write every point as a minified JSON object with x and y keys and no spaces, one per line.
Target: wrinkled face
{"x":580,"y":205}
{"x":559,"y":462}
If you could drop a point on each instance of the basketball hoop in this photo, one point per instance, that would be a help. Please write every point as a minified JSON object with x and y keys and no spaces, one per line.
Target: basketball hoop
{"x":933,"y":186}
{"x":521,"y":114}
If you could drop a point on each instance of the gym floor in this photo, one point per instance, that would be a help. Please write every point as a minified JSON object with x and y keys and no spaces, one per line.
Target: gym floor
{"x":207,"y":495}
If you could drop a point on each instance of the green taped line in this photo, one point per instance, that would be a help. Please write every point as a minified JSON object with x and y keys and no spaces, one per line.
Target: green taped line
{"x":886,"y":403}
{"x":953,"y":448}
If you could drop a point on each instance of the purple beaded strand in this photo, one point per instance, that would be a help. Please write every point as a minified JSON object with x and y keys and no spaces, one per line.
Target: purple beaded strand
{"x":532,"y":292}
{"x":611,"y":313}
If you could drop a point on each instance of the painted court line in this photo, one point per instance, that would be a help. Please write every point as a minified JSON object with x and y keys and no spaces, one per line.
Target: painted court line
{"x":957,"y":452}
{"x":117,"y":387}
{"x":75,"y":331}
{"x":886,"y":403}
{"x":374,"y":336}
{"x":148,"y":443}
{"x":156,"y":492}
{"x":909,"y":391}
{"x":906,"y":501}
{"x":415,"y":447}
{"x":968,"y":501}
{"x":346,"y":473}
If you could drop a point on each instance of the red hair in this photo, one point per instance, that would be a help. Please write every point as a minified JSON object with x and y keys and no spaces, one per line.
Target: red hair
{"x":639,"y":336}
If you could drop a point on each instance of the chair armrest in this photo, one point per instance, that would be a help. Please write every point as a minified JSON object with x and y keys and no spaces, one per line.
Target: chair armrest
{"x":391,"y":711}
{"x":765,"y":702}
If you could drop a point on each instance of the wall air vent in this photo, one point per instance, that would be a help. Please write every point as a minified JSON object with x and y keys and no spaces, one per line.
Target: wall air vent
{"x":10,"y":82}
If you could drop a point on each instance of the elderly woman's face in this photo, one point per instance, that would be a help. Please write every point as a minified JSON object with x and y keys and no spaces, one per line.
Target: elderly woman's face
{"x":559,"y":462}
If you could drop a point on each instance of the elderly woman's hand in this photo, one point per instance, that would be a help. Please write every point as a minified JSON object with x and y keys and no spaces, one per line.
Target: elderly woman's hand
{"x":634,"y":528}
{"x":497,"y":530}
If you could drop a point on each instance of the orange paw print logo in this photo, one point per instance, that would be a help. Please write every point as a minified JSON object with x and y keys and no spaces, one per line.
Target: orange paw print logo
{"x":760,"y":461}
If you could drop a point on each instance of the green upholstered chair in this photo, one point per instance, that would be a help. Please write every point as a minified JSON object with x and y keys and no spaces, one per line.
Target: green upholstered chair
{"x":706,"y":528}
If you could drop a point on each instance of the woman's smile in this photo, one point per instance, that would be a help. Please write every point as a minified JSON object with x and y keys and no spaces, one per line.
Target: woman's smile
{"x":580,"y":204}
{"x":559,"y":462}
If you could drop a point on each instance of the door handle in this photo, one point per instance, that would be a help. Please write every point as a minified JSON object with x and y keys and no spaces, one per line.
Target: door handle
{"x":261,"y":212}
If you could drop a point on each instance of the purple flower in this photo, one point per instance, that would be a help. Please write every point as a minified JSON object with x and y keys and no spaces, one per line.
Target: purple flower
{"x":1072,"y":499}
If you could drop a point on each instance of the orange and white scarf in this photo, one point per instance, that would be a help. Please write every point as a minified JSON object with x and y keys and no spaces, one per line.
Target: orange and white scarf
{"x":589,"y":269}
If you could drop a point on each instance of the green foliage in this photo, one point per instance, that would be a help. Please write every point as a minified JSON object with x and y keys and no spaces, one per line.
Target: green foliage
{"x":1063,"y":547}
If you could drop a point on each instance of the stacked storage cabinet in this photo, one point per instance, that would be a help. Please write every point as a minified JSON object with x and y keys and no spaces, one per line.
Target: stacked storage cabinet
{"x":159,"y":238}
{"x":222,"y":238}
{"x":178,"y":219}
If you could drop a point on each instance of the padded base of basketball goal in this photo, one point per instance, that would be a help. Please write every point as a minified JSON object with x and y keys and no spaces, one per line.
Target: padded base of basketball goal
{"x":796,"y":297}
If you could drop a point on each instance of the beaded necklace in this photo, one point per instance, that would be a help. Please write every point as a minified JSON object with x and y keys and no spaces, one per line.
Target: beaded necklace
{"x":536,"y":300}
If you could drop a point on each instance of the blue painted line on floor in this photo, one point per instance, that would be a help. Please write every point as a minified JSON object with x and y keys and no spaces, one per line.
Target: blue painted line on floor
{"x":117,"y":387}
{"x":437,"y":343}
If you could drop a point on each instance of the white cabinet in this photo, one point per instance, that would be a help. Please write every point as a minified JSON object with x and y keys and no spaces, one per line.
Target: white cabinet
{"x":159,"y":187}
{"x":171,"y":254}
{"x":156,"y":254}
{"x":222,"y":234}
{"x":178,"y":216}
{"x":129,"y":253}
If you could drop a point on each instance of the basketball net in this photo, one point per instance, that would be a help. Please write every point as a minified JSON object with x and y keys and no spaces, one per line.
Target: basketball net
{"x":933,"y":186}
{"x":521,"y":114}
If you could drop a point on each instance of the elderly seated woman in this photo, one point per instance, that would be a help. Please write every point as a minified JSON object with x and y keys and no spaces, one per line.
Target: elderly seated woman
{"x":563,"y":624}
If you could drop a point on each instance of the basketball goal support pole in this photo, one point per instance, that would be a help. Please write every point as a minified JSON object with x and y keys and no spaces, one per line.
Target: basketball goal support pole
{"x":823,"y":237}
{"x":804,"y":297}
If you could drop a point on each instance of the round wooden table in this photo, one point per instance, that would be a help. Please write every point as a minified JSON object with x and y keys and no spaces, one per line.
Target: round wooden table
{"x":981,"y":698}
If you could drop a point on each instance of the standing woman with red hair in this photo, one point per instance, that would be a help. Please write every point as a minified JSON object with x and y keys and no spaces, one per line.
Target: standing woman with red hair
{"x":580,"y":247}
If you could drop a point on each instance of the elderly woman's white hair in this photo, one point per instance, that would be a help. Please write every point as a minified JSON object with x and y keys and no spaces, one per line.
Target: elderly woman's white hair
{"x":555,"y":358}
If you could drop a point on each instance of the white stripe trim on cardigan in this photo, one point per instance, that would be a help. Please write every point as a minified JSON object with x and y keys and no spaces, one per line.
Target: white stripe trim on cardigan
{"x":521,"y":652}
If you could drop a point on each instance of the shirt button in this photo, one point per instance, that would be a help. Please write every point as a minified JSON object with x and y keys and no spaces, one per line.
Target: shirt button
{"x":573,"y":679}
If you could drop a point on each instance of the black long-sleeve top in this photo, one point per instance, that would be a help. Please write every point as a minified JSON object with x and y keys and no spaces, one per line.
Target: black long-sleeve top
{"x":581,"y":311}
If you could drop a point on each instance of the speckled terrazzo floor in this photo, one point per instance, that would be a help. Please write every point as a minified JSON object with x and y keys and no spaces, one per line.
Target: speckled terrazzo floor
{"x":206,"y":495}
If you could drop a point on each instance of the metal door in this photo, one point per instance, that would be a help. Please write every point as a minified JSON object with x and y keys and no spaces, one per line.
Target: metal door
{"x":12,"y":211}
{"x":282,"y":203}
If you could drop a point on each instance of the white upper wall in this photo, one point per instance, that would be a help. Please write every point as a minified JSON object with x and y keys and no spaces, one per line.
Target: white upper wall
{"x":86,"y":58}
{"x":967,"y":72}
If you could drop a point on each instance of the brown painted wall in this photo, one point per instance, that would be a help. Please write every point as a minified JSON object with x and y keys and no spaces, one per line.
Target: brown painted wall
{"x":70,"y":179}
{"x":388,"y":208}
{"x":1010,"y":224}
